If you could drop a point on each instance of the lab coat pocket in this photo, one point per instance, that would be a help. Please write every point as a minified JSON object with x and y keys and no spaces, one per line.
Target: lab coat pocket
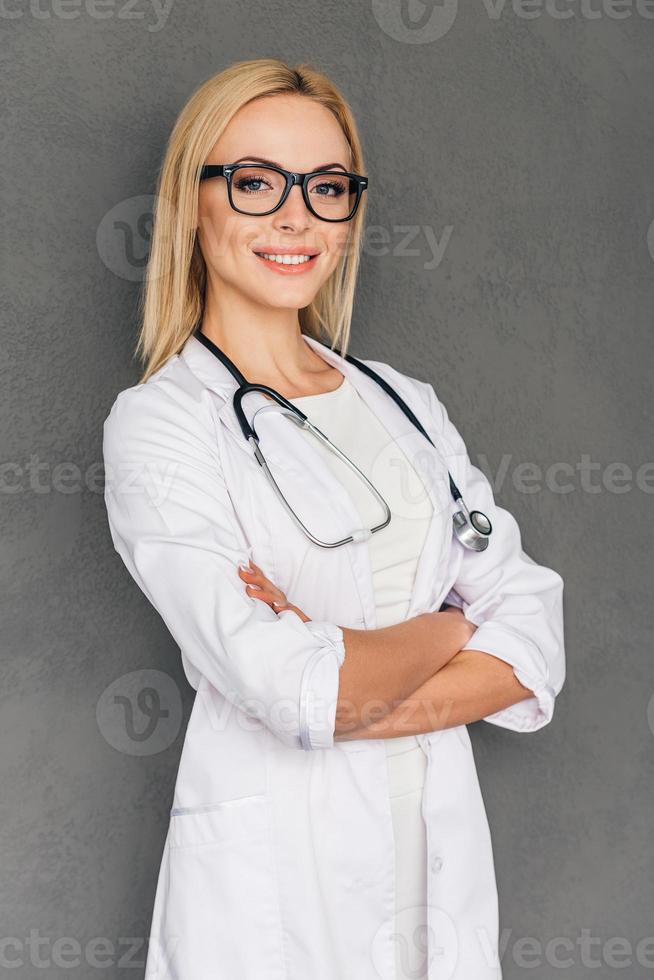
{"x":223,"y":915}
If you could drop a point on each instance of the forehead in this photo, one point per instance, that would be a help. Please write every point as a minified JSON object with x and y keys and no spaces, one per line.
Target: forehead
{"x":293,"y":130}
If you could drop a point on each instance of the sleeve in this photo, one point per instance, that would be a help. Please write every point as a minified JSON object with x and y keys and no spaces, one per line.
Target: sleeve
{"x":516,"y":603}
{"x":173,"y":523}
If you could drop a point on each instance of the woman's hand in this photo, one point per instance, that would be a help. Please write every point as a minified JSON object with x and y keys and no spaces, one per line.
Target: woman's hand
{"x":260,"y":587}
{"x":468,"y":629}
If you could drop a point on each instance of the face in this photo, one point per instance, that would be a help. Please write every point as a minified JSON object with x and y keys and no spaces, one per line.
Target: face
{"x":297,"y":134}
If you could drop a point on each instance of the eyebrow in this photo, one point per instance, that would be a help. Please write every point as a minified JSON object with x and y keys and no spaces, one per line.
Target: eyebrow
{"x":271,"y":163}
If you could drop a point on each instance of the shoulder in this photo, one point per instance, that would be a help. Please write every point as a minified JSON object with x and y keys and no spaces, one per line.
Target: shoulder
{"x":170,"y":409}
{"x":410,"y":388}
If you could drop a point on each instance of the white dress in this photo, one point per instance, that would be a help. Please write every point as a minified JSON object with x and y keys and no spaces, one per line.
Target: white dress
{"x":394,"y":550}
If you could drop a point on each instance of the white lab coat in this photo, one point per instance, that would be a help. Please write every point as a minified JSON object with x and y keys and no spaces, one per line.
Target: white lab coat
{"x":278,"y":860}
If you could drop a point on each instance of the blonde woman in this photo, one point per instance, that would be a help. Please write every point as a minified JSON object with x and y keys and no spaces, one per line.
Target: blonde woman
{"x":339,"y":626}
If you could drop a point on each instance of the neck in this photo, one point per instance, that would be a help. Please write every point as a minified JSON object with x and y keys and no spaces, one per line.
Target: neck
{"x":265,"y":343}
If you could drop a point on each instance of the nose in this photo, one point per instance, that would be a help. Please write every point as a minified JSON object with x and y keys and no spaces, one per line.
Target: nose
{"x":294,"y":214}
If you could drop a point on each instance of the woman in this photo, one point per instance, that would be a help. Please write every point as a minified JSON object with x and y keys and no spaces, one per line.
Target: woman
{"x":327,"y":821}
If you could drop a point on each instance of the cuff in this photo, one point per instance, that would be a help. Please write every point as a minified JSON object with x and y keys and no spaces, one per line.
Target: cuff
{"x":529,"y":667}
{"x":319,"y":685}
{"x":330,"y":633}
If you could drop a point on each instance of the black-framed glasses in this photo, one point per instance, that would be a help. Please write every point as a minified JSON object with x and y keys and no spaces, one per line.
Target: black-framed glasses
{"x":331,"y":195}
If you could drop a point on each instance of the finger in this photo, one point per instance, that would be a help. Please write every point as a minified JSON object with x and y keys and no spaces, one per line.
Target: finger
{"x":265,"y":594}
{"x":254,"y":578}
{"x":254,"y":575}
{"x":258,"y":578}
{"x":296,"y":610}
{"x":260,"y":594}
{"x":260,"y":590}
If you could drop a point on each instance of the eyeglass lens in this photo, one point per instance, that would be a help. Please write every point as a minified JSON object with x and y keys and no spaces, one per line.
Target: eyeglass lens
{"x":257,"y":190}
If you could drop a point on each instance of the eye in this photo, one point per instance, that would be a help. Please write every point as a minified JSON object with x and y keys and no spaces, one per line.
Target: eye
{"x":330,"y":188}
{"x":251,"y":184}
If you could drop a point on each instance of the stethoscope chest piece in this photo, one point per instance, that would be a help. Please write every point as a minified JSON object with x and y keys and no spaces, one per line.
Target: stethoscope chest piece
{"x":472,"y":528}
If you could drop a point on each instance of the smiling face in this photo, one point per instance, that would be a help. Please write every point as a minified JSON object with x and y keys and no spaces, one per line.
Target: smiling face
{"x":298,"y":134}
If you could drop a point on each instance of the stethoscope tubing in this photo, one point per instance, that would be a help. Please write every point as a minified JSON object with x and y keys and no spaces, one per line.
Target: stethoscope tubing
{"x":463,"y":520}
{"x":360,"y":535}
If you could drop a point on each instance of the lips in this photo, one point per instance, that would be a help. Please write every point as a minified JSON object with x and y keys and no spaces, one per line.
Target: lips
{"x":287,"y":261}
{"x":288,"y":250}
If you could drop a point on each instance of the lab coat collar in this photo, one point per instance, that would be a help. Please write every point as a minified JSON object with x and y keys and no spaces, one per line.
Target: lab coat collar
{"x":214,"y":375}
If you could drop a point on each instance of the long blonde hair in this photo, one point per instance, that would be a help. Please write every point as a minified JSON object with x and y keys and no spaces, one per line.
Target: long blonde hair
{"x":172,"y":300}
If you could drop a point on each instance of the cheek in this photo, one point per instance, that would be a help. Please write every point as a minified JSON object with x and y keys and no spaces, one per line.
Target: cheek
{"x":337,"y":244}
{"x":223,"y":235}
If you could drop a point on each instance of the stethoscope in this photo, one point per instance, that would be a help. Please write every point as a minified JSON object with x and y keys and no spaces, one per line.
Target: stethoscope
{"x":472,"y":528}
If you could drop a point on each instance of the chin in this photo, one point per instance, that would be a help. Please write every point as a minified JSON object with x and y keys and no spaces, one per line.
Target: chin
{"x":284,"y":299}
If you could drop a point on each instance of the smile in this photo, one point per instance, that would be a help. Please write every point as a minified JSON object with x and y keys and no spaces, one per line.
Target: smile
{"x":286,"y":259}
{"x":288,"y":263}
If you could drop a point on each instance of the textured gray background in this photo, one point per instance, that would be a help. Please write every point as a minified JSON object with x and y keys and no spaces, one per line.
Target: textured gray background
{"x":531,"y":140}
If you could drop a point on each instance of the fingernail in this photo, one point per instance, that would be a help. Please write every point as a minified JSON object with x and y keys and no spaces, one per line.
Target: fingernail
{"x":244,"y":568}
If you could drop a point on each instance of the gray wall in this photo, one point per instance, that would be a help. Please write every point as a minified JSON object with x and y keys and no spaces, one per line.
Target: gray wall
{"x":518,"y":143}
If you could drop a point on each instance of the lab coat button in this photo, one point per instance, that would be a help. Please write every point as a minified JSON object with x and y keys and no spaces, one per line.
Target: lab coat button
{"x":436,"y":864}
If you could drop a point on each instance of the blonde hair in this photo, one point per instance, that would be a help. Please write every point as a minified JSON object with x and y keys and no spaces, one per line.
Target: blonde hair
{"x":172,"y":301}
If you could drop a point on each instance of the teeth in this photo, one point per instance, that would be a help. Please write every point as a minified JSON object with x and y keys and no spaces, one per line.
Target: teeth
{"x":286,"y":259}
